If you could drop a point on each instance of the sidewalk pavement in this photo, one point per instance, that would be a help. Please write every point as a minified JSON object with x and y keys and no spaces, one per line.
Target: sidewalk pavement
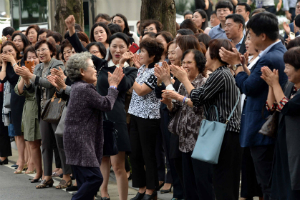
{"x":112,"y":186}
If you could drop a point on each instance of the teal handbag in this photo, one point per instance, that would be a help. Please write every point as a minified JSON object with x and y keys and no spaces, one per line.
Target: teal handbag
{"x":210,"y":138}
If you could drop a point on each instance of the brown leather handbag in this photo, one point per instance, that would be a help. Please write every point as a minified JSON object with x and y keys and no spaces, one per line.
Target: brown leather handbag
{"x":53,"y":109}
{"x":270,"y":127}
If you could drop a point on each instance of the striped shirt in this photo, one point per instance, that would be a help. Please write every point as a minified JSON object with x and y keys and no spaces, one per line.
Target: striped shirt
{"x":219,"y":90}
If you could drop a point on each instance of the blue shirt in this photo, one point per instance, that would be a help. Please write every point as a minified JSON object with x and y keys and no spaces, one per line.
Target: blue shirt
{"x":238,"y":45}
{"x":217,"y":33}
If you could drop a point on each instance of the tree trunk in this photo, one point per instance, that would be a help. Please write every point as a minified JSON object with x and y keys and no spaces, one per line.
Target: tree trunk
{"x":64,"y":8}
{"x":161,"y":10}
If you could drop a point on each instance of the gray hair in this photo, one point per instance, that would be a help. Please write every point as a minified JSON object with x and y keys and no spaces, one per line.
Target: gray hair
{"x":75,"y":63}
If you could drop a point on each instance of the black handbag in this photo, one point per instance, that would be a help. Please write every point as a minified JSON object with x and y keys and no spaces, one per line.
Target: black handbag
{"x":110,"y":134}
{"x":53,"y":109}
{"x":269,"y":128}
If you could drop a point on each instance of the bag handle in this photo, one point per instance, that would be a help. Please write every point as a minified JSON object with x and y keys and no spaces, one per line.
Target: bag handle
{"x":216,"y":109}
{"x":237,"y":102}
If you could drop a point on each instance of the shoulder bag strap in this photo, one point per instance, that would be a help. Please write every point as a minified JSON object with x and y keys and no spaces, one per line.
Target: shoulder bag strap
{"x":237,"y":102}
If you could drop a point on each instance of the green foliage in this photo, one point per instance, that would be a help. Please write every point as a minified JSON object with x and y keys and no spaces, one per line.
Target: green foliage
{"x":184,"y":5}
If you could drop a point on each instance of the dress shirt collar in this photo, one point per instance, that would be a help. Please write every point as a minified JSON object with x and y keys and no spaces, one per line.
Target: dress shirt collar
{"x":264,"y":52}
{"x":112,"y":64}
{"x":238,"y":45}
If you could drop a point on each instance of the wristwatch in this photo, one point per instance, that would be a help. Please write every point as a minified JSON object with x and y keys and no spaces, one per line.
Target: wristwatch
{"x":234,"y":67}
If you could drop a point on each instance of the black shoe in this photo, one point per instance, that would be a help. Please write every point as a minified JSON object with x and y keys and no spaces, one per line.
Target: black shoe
{"x":72,"y":188}
{"x":4,"y":162}
{"x":105,"y":198}
{"x":15,"y":166}
{"x":35,"y":180}
{"x":160,"y":186}
{"x":12,"y":139}
{"x":153,"y":196}
{"x":166,"y":191}
{"x":138,"y":196}
{"x":130,"y":177}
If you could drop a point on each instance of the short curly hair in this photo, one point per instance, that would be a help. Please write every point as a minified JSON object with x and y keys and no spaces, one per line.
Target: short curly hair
{"x":75,"y":63}
{"x":153,"y":48}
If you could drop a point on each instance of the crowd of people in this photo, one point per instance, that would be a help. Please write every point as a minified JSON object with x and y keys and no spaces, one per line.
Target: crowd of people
{"x":136,"y":101}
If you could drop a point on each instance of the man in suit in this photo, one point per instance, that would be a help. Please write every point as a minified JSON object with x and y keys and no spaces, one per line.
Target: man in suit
{"x":264,"y":34}
{"x":234,"y":29}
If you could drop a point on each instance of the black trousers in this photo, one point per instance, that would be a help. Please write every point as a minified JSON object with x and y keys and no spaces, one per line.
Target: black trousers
{"x":263,"y":159}
{"x":5,"y":147}
{"x":143,"y":160}
{"x":226,"y":174}
{"x":89,"y":180}
{"x":197,"y":178}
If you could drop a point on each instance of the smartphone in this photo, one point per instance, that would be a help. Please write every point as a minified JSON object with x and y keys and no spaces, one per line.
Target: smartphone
{"x":134,"y":48}
{"x":29,"y":65}
{"x":292,"y":35}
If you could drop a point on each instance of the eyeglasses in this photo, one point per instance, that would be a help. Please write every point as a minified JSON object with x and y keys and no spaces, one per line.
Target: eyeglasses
{"x":94,"y":52}
{"x":41,"y":50}
{"x":94,"y":67}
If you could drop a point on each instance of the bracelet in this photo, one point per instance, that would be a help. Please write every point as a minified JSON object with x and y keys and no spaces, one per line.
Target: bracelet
{"x":113,"y":87}
{"x":14,"y":65}
{"x":186,"y":101}
{"x":183,"y":101}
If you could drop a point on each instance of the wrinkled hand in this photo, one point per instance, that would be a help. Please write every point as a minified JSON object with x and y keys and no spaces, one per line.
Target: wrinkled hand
{"x":70,"y":21}
{"x":126,"y":56}
{"x":167,"y":101}
{"x":270,"y":77}
{"x":286,"y":28}
{"x":170,"y":94}
{"x":58,"y":72}
{"x":232,"y":58}
{"x":179,"y":73}
{"x":136,"y":61}
{"x":23,"y":72}
{"x":51,"y":79}
{"x":60,"y":82}
{"x":115,"y":78}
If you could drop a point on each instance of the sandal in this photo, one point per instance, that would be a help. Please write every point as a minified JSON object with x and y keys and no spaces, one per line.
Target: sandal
{"x":18,"y":171}
{"x":55,"y":174}
{"x":63,"y":184}
{"x":30,"y":172}
{"x":45,"y":183}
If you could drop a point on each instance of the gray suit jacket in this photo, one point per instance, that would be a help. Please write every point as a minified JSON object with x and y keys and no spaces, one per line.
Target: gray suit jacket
{"x":40,"y":81}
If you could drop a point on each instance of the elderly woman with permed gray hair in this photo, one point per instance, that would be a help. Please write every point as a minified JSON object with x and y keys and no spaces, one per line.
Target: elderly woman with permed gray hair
{"x":83,"y":136}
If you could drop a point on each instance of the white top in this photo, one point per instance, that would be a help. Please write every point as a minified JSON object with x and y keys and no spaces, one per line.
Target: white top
{"x":135,"y":37}
{"x":146,"y":106}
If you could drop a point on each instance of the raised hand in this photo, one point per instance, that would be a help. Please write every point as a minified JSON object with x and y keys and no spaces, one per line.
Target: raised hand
{"x":179,"y":73}
{"x":270,"y":77}
{"x":115,"y":78}
{"x":60,"y":82}
{"x":51,"y":79}
{"x":136,"y":61}
{"x":286,"y":28}
{"x":23,"y":72}
{"x":126,"y":56}
{"x":70,"y":23}
{"x":58,"y":72}
{"x":230,"y":57}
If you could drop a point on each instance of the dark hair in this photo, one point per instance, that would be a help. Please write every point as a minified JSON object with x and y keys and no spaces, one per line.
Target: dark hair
{"x":57,"y":53}
{"x":78,"y":27}
{"x":224,"y":4}
{"x":266,"y":23}
{"x":126,"y":29}
{"x":23,"y":37}
{"x":186,"y":42}
{"x":170,"y":43}
{"x":42,"y":30}
{"x":199,"y":59}
{"x":167,"y":35}
{"x":237,"y":19}
{"x":83,"y":37}
{"x":114,"y":28}
{"x":63,"y":45}
{"x":189,"y":24}
{"x":185,"y":32}
{"x":204,"y":38}
{"x":297,"y":21}
{"x":8,"y":31}
{"x":247,"y":7}
{"x":102,"y":15}
{"x":204,"y":16}
{"x":188,"y":12}
{"x":57,"y":36}
{"x":215,"y":46}
{"x":153,"y":48}
{"x":99,"y":45}
{"x":213,"y":13}
{"x":18,"y":54}
{"x":157,"y":24}
{"x":293,"y":43}
{"x":31,"y":49}
{"x":257,"y":10}
{"x":50,"y":43}
{"x":103,"y":25}
{"x":121,"y":36}
{"x":292,"y":57}
{"x":35,"y":27}
{"x":150,"y":34}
